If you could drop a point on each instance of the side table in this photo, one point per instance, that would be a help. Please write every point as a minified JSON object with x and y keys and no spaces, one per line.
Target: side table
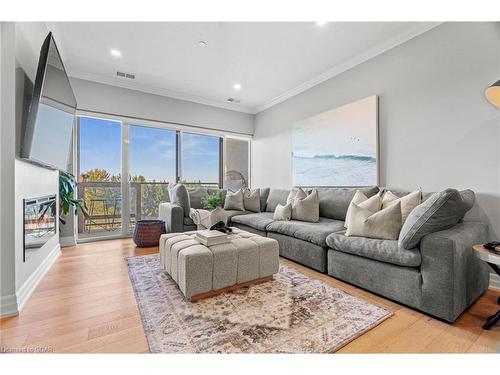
{"x":494,"y":261}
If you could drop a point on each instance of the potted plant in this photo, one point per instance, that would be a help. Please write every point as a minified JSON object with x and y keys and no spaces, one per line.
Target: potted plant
{"x":67,"y":186}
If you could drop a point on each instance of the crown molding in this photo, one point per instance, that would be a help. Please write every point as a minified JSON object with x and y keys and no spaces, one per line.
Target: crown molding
{"x":336,"y":70}
{"x":123,"y":83}
{"x":350,"y":63}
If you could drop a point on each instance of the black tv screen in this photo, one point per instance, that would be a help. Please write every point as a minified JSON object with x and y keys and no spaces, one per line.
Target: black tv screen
{"x":49,"y":126}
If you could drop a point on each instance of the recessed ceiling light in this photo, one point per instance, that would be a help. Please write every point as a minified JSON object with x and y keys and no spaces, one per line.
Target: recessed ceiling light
{"x":115,"y":53}
{"x":321,"y":23}
{"x":202,"y":43}
{"x":237,"y":86}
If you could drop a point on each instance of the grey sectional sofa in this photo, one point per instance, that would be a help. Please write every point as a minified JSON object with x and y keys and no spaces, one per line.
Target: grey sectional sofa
{"x":441,"y":276}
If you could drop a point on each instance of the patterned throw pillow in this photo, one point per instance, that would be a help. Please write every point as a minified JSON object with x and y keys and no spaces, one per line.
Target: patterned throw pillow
{"x":283,"y":212}
{"x":234,"y":201}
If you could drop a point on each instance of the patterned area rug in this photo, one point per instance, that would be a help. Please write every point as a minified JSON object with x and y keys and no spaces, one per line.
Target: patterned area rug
{"x":291,"y":314}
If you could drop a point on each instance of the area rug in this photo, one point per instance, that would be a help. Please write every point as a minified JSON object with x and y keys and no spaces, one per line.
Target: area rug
{"x":291,"y":314}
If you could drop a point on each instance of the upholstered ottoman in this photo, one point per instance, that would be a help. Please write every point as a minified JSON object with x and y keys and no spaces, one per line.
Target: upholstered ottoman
{"x":202,"y":271}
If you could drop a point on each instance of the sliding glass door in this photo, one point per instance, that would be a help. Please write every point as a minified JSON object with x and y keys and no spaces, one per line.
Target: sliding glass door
{"x":99,"y":177}
{"x":200,"y":162}
{"x":124,"y":170}
{"x":152,"y":166}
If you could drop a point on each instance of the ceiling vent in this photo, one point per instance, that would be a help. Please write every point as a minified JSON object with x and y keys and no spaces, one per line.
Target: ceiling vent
{"x":125,"y":75}
{"x":233,"y":100}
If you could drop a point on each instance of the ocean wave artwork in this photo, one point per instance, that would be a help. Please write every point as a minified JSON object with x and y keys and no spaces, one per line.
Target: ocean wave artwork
{"x":338,"y":147}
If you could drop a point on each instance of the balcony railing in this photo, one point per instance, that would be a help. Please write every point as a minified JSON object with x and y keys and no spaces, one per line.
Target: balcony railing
{"x":103,"y":201}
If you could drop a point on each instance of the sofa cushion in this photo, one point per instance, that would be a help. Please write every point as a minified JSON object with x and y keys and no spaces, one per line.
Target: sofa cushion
{"x":276,"y":196}
{"x":188,"y":221}
{"x":233,"y":213}
{"x":441,"y":211}
{"x":315,"y":233}
{"x":382,"y":250}
{"x":179,"y":195}
{"x":258,"y":220}
{"x":264,"y":193}
{"x":334,"y":202}
{"x":196,"y":197}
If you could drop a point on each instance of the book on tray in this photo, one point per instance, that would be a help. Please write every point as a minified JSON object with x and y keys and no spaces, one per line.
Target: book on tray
{"x":211,"y":237}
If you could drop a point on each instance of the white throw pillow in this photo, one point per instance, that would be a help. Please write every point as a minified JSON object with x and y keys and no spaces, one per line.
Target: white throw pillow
{"x":283,"y":212}
{"x":408,"y":202}
{"x":234,"y":201}
{"x":306,"y":209}
{"x":251,"y":200}
{"x":296,"y":194}
{"x":373,"y":203}
{"x":384,"y":224}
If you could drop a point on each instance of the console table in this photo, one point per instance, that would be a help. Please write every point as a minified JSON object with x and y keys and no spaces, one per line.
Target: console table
{"x":494,"y":261}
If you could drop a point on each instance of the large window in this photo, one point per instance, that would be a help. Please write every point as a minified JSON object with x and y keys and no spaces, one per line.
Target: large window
{"x":151,"y":158}
{"x":99,"y":177}
{"x":200,"y":159}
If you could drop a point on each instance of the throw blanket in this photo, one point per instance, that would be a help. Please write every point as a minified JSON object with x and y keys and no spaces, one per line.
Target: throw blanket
{"x":204,"y":219}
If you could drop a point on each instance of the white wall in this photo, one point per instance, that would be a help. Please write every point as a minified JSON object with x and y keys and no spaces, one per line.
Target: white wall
{"x":8,"y":300}
{"x":92,"y":96}
{"x":436,"y":128}
{"x":30,"y":180}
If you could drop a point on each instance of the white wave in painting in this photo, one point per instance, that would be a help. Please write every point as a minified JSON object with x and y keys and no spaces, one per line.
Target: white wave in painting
{"x":331,"y":170}
{"x":337,"y":147}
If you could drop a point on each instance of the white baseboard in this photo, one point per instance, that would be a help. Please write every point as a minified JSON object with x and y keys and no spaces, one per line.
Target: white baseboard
{"x":67,"y":241}
{"x":8,"y":306}
{"x":24,"y":292}
{"x":494,"y":281}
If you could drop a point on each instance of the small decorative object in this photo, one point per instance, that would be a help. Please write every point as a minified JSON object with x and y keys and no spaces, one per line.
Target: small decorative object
{"x":492,"y":93}
{"x":338,"y":147}
{"x":213,"y":201}
{"x":147,"y":232}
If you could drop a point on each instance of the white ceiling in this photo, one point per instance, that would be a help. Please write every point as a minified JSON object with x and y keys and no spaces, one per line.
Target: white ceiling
{"x":271,"y":60}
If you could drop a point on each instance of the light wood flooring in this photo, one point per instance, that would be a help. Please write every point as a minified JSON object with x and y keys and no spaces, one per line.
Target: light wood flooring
{"x":85,"y":303}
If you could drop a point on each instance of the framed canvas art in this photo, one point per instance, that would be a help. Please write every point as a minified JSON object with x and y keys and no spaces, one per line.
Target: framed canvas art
{"x":338,"y":147}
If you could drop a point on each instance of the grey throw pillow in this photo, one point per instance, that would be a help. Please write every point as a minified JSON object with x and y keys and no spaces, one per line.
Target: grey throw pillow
{"x":439,"y":212}
{"x":306,"y":209}
{"x":283,"y":212}
{"x":251,"y":200}
{"x":234,"y":201}
{"x":196,"y":197}
{"x":179,"y":195}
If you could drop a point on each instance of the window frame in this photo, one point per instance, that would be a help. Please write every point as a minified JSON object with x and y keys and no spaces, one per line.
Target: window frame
{"x":126,"y":122}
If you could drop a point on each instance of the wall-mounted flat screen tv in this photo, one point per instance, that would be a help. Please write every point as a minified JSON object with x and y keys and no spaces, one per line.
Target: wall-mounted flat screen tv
{"x":49,"y":126}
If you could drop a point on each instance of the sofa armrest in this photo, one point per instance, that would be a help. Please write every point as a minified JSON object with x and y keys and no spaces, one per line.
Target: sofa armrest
{"x":173,"y":216}
{"x":452,"y":276}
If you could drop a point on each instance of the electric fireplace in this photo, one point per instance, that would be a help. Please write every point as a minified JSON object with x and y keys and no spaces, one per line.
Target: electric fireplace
{"x":39,"y":223}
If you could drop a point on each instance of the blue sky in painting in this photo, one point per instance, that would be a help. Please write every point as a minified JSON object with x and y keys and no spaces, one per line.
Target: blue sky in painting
{"x":152,"y":152}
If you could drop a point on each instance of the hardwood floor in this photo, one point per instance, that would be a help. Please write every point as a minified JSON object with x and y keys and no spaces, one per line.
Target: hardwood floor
{"x":86,"y":304}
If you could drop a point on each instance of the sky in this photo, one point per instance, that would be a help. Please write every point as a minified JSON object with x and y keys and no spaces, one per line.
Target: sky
{"x":347,"y":130}
{"x":152,"y":152}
